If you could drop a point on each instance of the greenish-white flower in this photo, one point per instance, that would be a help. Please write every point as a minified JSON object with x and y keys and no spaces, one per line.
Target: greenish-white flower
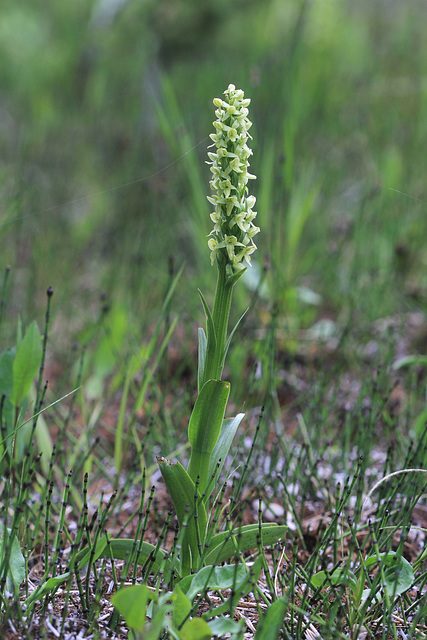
{"x":232,"y":236}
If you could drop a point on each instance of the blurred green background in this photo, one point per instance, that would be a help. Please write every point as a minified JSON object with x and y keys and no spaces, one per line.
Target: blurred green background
{"x":105,"y":112}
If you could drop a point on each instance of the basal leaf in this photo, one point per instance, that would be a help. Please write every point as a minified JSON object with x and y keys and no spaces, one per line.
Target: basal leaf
{"x":223,"y":545}
{"x":121,"y":549}
{"x":118,"y":548}
{"x":190,"y":511}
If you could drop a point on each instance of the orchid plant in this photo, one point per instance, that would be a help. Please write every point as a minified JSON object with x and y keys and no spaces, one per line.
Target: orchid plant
{"x":200,"y":547}
{"x":210,"y":434}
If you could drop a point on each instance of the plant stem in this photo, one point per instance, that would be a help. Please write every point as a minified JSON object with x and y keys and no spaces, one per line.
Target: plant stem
{"x":220,"y":314}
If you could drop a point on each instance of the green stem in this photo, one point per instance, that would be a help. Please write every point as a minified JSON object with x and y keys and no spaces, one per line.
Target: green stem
{"x":221,"y":312}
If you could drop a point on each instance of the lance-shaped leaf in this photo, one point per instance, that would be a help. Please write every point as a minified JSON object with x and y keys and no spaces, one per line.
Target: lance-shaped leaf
{"x":231,"y":280}
{"x":204,"y":428}
{"x":190,"y":511}
{"x":224,"y":545}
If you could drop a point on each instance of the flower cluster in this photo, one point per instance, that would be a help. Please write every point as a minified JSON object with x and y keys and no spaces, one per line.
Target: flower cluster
{"x":232,"y":236}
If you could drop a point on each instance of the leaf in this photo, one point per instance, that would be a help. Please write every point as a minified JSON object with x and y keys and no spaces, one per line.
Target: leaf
{"x":339,"y":576}
{"x":181,"y":606}
{"x":204,"y":428}
{"x":211,"y":338}
{"x":223,"y":545}
{"x":12,"y":560}
{"x":318,"y":579}
{"x":270,"y":624}
{"x":131,"y":603}
{"x":203,"y":343}
{"x":159,"y":621}
{"x":210,"y":327}
{"x":212,"y":577}
{"x":121,"y":549}
{"x":222,"y":447}
{"x":182,"y":490}
{"x":240,"y":590}
{"x":118,"y":548}
{"x":26,"y":364}
{"x":81,"y":560}
{"x":231,"y":280}
{"x":222,"y":626}
{"x":196,"y":629}
{"x":399,"y":575}
{"x":386,"y":557}
{"x":230,"y":337}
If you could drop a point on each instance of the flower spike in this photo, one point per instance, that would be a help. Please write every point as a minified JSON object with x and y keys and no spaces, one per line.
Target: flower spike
{"x":231,"y":239}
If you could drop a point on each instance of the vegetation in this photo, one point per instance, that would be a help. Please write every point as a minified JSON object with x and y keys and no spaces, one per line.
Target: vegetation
{"x":304,"y":515}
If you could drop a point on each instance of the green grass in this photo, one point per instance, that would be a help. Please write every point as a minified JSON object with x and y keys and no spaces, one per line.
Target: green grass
{"x":103,"y":188}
